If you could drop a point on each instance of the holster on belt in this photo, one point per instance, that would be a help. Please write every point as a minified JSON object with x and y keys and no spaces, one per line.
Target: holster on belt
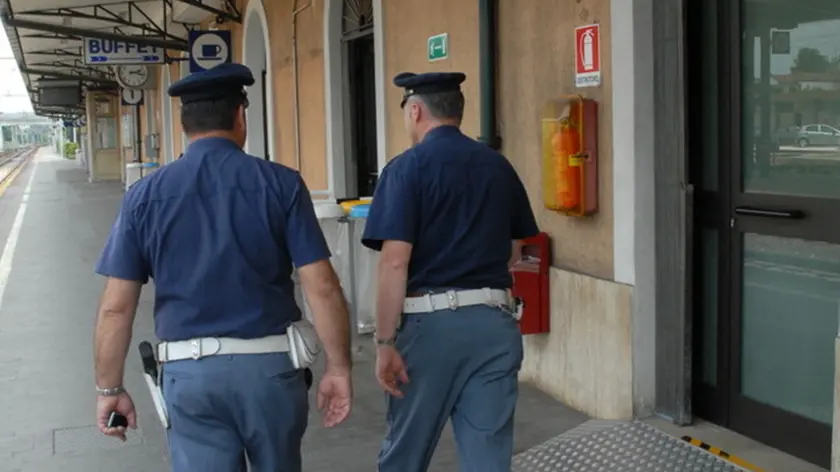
{"x":309,"y":377}
{"x":151,"y":375}
{"x":304,"y":344}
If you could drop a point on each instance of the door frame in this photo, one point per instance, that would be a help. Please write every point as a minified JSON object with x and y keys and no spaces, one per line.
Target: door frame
{"x":724,"y":404}
{"x":711,"y":212}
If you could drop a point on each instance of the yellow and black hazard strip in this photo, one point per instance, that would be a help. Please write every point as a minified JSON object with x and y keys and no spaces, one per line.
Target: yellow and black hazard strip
{"x":722,"y":454}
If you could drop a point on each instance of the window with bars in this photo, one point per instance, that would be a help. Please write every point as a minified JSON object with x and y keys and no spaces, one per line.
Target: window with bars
{"x":357,"y":18}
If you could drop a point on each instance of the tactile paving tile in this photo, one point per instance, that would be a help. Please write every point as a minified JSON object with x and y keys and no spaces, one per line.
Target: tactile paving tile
{"x":618,"y":447}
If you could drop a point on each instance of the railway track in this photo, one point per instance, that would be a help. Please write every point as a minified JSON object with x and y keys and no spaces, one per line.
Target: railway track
{"x":10,"y":161}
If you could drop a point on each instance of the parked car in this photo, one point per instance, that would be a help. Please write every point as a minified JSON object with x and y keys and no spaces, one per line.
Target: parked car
{"x":809,"y":135}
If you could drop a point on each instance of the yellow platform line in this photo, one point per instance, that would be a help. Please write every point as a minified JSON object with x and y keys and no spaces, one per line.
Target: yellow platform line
{"x":7,"y":181}
{"x":722,"y":454}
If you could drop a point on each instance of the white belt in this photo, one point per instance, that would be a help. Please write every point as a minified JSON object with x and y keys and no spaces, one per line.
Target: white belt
{"x":453,"y":299}
{"x":204,"y":347}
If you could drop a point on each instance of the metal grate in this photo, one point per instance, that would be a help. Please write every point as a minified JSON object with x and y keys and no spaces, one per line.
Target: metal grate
{"x":618,"y":447}
{"x":358,"y":17}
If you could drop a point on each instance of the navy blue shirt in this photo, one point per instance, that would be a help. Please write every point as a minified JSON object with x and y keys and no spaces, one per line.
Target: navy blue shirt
{"x":219,"y":232}
{"x":460,"y":204}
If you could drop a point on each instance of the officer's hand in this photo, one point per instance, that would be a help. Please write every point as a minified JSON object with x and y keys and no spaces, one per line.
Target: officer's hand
{"x":390,"y":370}
{"x":334,"y":397}
{"x":123,"y":405}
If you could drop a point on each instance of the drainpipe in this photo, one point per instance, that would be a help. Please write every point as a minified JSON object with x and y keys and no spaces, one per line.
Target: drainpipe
{"x":487,"y":47}
{"x":296,"y":80}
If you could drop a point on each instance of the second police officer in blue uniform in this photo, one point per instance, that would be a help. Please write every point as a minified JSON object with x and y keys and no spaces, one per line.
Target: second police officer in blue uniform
{"x":446,"y":216}
{"x":220,"y":231}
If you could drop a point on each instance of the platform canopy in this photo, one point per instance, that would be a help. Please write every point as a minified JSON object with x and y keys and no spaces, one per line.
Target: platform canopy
{"x":47,"y":37}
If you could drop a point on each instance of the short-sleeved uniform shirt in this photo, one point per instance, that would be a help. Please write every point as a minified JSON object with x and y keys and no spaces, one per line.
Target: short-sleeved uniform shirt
{"x":219,"y":231}
{"x":460,"y":204}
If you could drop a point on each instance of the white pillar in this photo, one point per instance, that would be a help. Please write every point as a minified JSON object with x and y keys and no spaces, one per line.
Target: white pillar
{"x":61,"y":142}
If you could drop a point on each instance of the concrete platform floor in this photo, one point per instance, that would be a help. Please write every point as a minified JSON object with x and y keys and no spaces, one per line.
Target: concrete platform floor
{"x":53,"y":223}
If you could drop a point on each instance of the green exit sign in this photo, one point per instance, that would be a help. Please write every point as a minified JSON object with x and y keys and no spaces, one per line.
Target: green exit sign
{"x":438,"y":47}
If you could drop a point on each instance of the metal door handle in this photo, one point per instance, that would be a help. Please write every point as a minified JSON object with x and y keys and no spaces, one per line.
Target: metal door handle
{"x":789,"y":214}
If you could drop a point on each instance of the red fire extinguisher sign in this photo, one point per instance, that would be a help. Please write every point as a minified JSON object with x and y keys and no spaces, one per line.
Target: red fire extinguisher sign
{"x":588,"y":56}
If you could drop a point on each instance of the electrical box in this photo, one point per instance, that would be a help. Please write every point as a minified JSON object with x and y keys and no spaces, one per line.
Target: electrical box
{"x":570,"y":155}
{"x":531,"y":284}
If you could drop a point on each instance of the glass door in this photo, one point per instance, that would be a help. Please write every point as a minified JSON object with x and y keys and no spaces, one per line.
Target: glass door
{"x":771,"y":236}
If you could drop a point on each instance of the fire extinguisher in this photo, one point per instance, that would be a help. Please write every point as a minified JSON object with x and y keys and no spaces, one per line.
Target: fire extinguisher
{"x":565,"y":144}
{"x":587,"y":50}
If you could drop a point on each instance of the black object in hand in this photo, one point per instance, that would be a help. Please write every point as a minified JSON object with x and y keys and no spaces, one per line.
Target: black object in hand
{"x":117,"y":420}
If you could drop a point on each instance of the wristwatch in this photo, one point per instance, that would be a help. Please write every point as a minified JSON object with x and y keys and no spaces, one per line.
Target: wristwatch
{"x":110,"y":392}
{"x":385,"y":342}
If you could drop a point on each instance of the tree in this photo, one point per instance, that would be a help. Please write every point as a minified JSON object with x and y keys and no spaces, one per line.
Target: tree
{"x":811,"y":60}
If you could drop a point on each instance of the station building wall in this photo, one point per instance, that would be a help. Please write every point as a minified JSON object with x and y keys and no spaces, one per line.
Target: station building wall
{"x":587,"y":360}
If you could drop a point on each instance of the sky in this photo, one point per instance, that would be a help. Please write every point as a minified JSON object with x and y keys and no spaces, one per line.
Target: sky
{"x":11,"y":82}
{"x":821,"y":35}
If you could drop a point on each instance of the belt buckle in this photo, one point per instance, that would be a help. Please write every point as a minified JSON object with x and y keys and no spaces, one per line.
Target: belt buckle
{"x":452,"y":298}
{"x":197,"y":346}
{"x":196,"y":349}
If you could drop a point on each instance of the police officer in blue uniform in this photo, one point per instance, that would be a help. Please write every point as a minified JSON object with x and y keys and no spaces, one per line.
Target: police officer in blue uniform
{"x":220,"y":231}
{"x":446,"y":217}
